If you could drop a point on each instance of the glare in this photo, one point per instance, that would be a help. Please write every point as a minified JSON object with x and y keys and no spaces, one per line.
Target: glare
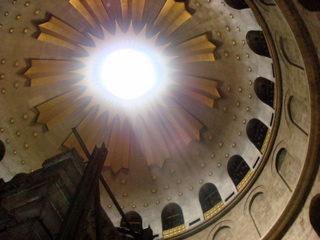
{"x":128,"y":73}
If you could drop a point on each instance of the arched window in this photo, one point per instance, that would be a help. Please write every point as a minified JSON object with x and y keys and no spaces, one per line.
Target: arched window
{"x":210,"y":200}
{"x":238,"y":171}
{"x":257,"y":42}
{"x":237,"y":4}
{"x":314,"y":213}
{"x":264,"y":89}
{"x":2,"y":150}
{"x":257,"y":131}
{"x":172,"y":220}
{"x":311,"y":5}
{"x":135,"y":221}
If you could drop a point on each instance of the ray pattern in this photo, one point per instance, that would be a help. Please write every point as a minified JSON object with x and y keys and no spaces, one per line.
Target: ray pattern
{"x":161,"y":122}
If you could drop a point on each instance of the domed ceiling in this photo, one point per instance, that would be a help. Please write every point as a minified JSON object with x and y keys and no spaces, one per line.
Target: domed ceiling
{"x":163,"y":146}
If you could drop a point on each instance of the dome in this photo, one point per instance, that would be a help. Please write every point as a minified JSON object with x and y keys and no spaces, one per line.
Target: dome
{"x":226,"y":133}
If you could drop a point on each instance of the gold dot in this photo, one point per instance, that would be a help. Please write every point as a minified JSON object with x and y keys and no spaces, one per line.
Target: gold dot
{"x":154,"y":177}
{"x":250,"y":82}
{"x":190,"y":188}
{"x":239,"y":133}
{"x":234,"y":42}
{"x":248,"y":109}
{"x":146,"y":205}
{"x":123,"y":181}
{"x":224,"y":109}
{"x":180,"y":193}
{"x":154,"y":190}
{"x":234,"y":117}
{"x":0,"y":25}
{"x":25,"y":30}
{"x":210,"y":173}
{"x":109,"y":206}
{"x":3,"y":90}
{"x":22,"y":162}
{"x":3,"y":61}
{"x":238,"y":29}
{"x":16,"y":85}
{"x":31,"y":170}
{"x":16,"y":63}
{"x":212,"y":155}
{"x":219,"y":34}
{"x":14,"y":2}
{"x":229,"y":88}
{"x":11,"y":120}
{"x":2,"y":76}
{"x":36,"y":12}
{"x":231,"y":16}
{"x":223,"y":4}
{"x":166,"y":187}
{"x":27,"y":4}
{"x":35,"y":134}
{"x":172,"y":171}
{"x":121,"y":206}
{"x":244,"y":121}
{"x":14,"y":152}
{"x":8,"y":141}
{"x":18,"y":133}
{"x":203,"y":165}
{"x":25,"y":116}
{"x":247,"y":55}
{"x":227,"y":155}
{"x":26,"y":145}
{"x":157,"y":202}
{"x":198,"y":4}
{"x":200,"y":181}
{"x":233,"y":145}
{"x":133,"y":206}
{"x":219,"y":164}
{"x":18,"y":16}
{"x":243,"y":42}
{"x":1,"y":130}
{"x":169,"y":198}
{"x":238,"y":57}
{"x":11,"y":30}
{"x":226,"y":54}
{"x":179,"y":181}
{"x":210,"y":137}
{"x":249,"y":69}
{"x":125,"y":194}
{"x":228,"y":28}
{"x":221,"y":144}
{"x":249,"y":96}
{"x":240,"y":89}
{"x":238,"y":104}
{"x":6,"y":13}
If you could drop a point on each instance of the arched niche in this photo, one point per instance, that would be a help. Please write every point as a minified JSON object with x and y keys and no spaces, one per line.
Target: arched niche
{"x":257,"y":42}
{"x":135,"y":221}
{"x":223,"y":233}
{"x":239,"y":171}
{"x":257,"y":132}
{"x":264,"y":89}
{"x":237,"y":4}
{"x":210,"y":200}
{"x":311,"y":5}
{"x":288,"y":168}
{"x":299,"y":113}
{"x":2,"y":150}
{"x":172,"y":220}
{"x":260,"y":212}
{"x":314,"y":213}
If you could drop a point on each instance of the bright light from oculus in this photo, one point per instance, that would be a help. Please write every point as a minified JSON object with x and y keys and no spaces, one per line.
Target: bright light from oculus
{"x":128,"y":73}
